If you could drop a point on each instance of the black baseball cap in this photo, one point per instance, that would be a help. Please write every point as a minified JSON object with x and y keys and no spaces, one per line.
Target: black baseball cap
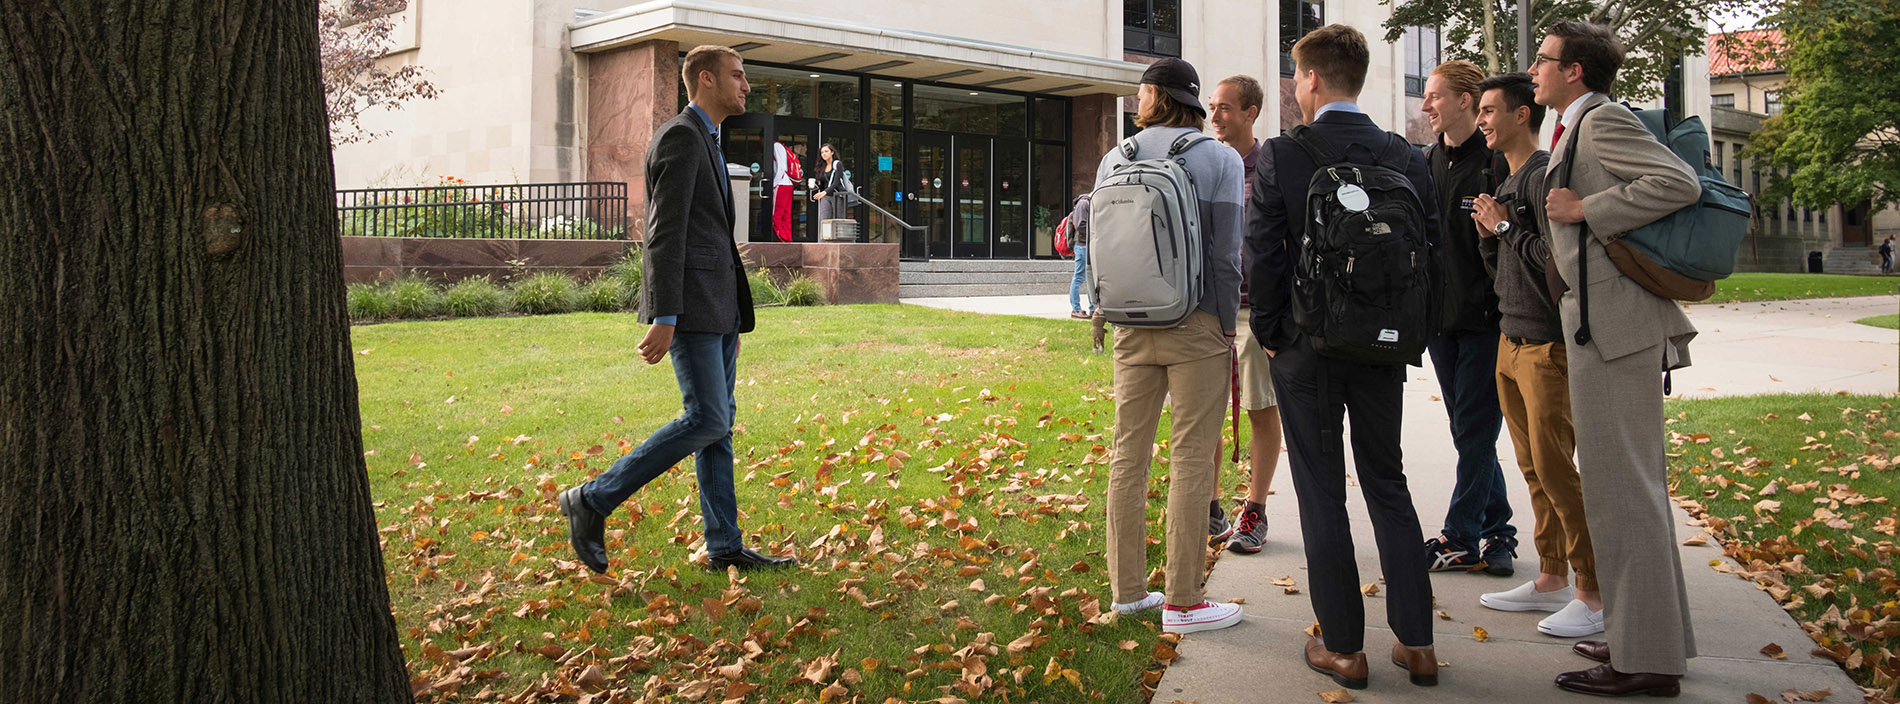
{"x":1179,"y":79}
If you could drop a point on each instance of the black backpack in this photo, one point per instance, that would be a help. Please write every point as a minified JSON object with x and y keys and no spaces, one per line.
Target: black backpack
{"x":1365,"y":282}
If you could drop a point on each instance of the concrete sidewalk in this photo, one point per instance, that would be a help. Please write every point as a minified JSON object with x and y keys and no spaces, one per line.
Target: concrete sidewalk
{"x":1743,"y":349}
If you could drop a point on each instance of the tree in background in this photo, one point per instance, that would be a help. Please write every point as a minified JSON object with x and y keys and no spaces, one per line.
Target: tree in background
{"x":1838,"y":134}
{"x":352,"y":35}
{"x":1485,"y":31}
{"x":184,"y":508}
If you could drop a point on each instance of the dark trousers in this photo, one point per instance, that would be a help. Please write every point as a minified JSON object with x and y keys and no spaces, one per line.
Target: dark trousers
{"x":1314,"y":394}
{"x":1467,"y":366}
{"x":706,"y":365}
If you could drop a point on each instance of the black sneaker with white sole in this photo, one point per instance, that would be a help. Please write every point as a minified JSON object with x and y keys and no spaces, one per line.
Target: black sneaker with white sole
{"x":1447,"y":555}
{"x":1497,"y":556}
{"x":1218,"y":529}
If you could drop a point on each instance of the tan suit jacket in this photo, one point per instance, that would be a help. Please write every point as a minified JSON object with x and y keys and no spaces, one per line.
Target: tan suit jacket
{"x":1626,"y":179}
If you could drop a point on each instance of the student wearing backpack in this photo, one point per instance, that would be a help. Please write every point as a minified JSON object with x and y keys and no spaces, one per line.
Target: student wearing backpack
{"x":1533,"y":378}
{"x":1619,"y":179}
{"x":1159,"y":353}
{"x":1478,"y":531}
{"x":1375,"y":194}
{"x":1078,"y":232}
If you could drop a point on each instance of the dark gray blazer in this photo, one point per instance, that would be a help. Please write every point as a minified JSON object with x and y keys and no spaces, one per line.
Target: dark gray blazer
{"x":693,"y":269}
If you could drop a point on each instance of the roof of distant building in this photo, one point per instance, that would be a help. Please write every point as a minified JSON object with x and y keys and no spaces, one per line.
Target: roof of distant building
{"x":1746,"y":51}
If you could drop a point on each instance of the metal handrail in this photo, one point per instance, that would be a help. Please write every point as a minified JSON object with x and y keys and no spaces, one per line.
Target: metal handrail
{"x":900,"y":221}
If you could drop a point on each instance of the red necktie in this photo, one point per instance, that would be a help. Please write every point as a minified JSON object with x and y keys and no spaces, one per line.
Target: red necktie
{"x":1557,"y":136}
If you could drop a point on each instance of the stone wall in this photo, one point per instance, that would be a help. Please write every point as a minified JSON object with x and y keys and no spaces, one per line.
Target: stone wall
{"x":849,"y":272}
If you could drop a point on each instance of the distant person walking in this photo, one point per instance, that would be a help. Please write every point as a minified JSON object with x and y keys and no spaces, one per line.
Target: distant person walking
{"x":1079,"y":240}
{"x":1886,"y":256}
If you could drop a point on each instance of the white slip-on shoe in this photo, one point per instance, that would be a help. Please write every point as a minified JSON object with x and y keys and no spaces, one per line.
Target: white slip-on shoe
{"x":1526,"y":598}
{"x":1576,"y":620}
{"x":1153,"y":599}
{"x":1206,"y":616}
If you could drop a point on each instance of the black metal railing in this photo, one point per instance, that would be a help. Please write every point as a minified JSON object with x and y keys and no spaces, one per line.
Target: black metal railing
{"x":594,"y":210}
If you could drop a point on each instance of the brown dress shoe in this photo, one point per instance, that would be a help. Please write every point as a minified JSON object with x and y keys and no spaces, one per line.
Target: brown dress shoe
{"x":1605,"y":681}
{"x":1594,"y":649}
{"x":1421,"y":662}
{"x":1348,"y":670}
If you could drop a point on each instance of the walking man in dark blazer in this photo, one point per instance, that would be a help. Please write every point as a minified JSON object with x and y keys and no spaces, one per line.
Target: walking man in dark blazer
{"x":1610,"y":176}
{"x":1315,"y":391}
{"x":697,"y":301}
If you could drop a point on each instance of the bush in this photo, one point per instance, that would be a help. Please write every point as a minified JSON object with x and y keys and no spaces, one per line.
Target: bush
{"x":546,"y":292}
{"x":802,"y":291}
{"x":764,"y":291}
{"x":368,"y":301}
{"x":602,"y":295}
{"x":413,"y":296}
{"x":631,"y":276}
{"x":476,"y":296}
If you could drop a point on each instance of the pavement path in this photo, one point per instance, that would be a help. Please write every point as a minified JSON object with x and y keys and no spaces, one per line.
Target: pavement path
{"x":1744,"y":348}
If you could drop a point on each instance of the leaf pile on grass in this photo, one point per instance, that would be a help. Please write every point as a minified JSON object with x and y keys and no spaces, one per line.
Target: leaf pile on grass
{"x":938,"y":474}
{"x":1798,"y":489}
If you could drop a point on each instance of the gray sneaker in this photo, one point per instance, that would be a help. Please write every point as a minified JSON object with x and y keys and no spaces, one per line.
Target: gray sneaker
{"x":1218,"y":529}
{"x":1252,"y":533}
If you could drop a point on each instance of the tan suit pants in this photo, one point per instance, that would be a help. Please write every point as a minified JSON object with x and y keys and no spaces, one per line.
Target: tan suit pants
{"x":1193,"y":363}
{"x":1534,"y":389}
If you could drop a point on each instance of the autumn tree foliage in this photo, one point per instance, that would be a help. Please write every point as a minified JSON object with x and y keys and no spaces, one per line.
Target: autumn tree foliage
{"x":352,"y":36}
{"x":185,"y":514}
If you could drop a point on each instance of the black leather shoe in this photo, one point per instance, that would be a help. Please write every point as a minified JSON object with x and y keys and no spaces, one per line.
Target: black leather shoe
{"x":586,"y":530}
{"x":746,"y":559}
{"x":1594,"y":649}
{"x":1605,"y":681}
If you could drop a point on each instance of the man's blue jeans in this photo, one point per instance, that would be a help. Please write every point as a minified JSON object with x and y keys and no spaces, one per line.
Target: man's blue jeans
{"x":706,"y":365}
{"x":1467,"y":367}
{"x":1080,"y":280}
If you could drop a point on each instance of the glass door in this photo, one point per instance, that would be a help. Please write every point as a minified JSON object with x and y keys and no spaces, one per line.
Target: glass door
{"x":744,"y":143}
{"x":848,"y":140}
{"x":1012,"y":200}
{"x":972,"y":197}
{"x":930,"y":202}
{"x":794,"y":219}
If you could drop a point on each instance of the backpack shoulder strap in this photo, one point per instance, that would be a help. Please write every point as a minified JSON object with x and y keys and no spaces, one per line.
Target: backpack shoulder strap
{"x":1570,"y":150}
{"x":1394,"y":156}
{"x":1186,"y":142}
{"x":1315,"y":147}
{"x":1129,"y":149}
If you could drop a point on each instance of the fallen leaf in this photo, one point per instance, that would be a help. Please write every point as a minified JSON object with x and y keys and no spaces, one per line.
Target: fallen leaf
{"x":1479,"y":634}
{"x":1337,"y":696}
{"x":1754,"y":698}
{"x":1774,"y":650}
{"x":1370,"y":589}
{"x":1696,"y":540}
{"x":1813,"y":695}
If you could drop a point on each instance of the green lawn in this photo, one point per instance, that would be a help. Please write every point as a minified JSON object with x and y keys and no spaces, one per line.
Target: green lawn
{"x":1890,"y":322}
{"x":939,"y":474}
{"x":1782,"y":287}
{"x":1800,"y":490}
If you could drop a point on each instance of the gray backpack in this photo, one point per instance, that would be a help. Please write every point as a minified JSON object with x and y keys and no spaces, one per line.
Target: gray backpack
{"x":1145,"y":247}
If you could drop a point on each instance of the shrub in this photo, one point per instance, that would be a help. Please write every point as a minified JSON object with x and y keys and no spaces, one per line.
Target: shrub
{"x":413,"y":296}
{"x":602,"y":295}
{"x":546,"y":292}
{"x":764,"y":291}
{"x":628,"y":272}
{"x":476,"y":296}
{"x":802,"y":291}
{"x":368,"y":301}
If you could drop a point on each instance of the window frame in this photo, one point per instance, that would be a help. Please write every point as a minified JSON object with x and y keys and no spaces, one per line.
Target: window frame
{"x":1148,"y":32}
{"x":1300,"y":30}
{"x":1415,"y":49}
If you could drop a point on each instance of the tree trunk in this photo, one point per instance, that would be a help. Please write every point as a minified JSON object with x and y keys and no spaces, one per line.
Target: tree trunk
{"x":184,"y":510}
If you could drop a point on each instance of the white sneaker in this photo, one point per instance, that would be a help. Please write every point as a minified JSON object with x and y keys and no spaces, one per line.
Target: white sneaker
{"x":1153,"y":599}
{"x":1576,"y":620}
{"x":1206,"y":616}
{"x":1526,"y":598}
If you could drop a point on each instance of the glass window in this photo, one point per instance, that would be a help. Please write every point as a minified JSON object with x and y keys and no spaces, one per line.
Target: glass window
{"x":885,"y":168}
{"x":1422,"y":54}
{"x":1725,"y":100}
{"x":887,"y":102}
{"x":1718,"y":157}
{"x":801,"y":93}
{"x":1297,"y":17}
{"x":1012,"y":195}
{"x":1051,"y":163}
{"x":972,"y":111}
{"x":1152,"y":27}
{"x":1772,"y":102}
{"x":1052,"y":118}
{"x":1737,"y":163}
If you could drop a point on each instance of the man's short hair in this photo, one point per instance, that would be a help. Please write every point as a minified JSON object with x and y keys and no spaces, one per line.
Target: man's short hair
{"x":1461,"y":76}
{"x":1251,"y":96}
{"x":1164,"y":111}
{"x":1337,"y":53}
{"x":1517,"y":93}
{"x":705,"y":57}
{"x":1593,"y":47}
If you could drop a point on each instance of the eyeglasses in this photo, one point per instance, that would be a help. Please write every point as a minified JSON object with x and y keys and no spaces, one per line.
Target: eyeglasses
{"x":1541,"y":59}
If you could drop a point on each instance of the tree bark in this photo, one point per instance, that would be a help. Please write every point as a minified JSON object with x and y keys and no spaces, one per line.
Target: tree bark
{"x":184,"y":510}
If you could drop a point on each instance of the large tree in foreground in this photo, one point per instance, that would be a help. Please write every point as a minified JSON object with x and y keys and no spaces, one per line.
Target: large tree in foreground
{"x":184,"y":510}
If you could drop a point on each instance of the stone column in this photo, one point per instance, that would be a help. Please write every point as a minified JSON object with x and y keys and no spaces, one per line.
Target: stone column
{"x":631,"y":91}
{"x":1095,"y":123}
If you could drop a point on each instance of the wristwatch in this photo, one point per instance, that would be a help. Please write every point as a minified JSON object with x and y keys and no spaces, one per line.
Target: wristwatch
{"x":1502,"y":227}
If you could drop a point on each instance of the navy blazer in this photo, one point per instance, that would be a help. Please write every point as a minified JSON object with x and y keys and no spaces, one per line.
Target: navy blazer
{"x":1276,"y":213}
{"x":693,"y":268}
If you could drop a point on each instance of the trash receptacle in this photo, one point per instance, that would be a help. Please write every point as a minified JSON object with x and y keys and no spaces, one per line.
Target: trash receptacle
{"x":1814,"y":262}
{"x":839,"y":230}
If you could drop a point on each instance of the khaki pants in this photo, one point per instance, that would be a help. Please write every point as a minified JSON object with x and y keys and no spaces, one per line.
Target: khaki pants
{"x":1194,"y":363}
{"x":1534,"y":390}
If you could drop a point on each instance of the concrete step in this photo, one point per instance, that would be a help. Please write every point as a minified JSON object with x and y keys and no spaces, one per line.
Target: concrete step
{"x":979,"y":289}
{"x":988,"y":265}
{"x":983,"y":277}
{"x":1851,"y":260}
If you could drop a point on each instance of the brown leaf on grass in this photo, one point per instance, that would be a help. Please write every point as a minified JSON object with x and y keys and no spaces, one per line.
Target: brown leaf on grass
{"x":1026,"y":643}
{"x":1774,"y":650}
{"x":731,"y":672}
{"x":713,"y":608}
{"x":1128,"y":645}
{"x":1812,"y":695}
{"x":551,"y":651}
{"x":1079,"y":567}
{"x":819,"y":669}
{"x":1337,"y":696}
{"x":835,"y":691}
{"x":1479,"y":634}
{"x":592,"y":678}
{"x":1165,"y":653}
{"x":1767,"y":506}
{"x":978,"y":586}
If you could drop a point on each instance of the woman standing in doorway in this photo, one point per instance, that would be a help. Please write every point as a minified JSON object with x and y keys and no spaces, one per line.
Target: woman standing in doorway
{"x":834,"y":190}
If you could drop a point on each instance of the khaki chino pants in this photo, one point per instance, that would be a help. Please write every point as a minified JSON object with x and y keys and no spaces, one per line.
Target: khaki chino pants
{"x":1192,"y":363}
{"x":1534,"y":390}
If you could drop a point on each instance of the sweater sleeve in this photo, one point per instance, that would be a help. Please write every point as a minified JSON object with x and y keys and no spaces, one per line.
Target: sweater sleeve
{"x":1229,"y":207}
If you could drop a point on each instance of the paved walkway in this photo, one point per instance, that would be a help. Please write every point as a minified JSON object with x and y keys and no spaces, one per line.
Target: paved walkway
{"x":1743,"y":349}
